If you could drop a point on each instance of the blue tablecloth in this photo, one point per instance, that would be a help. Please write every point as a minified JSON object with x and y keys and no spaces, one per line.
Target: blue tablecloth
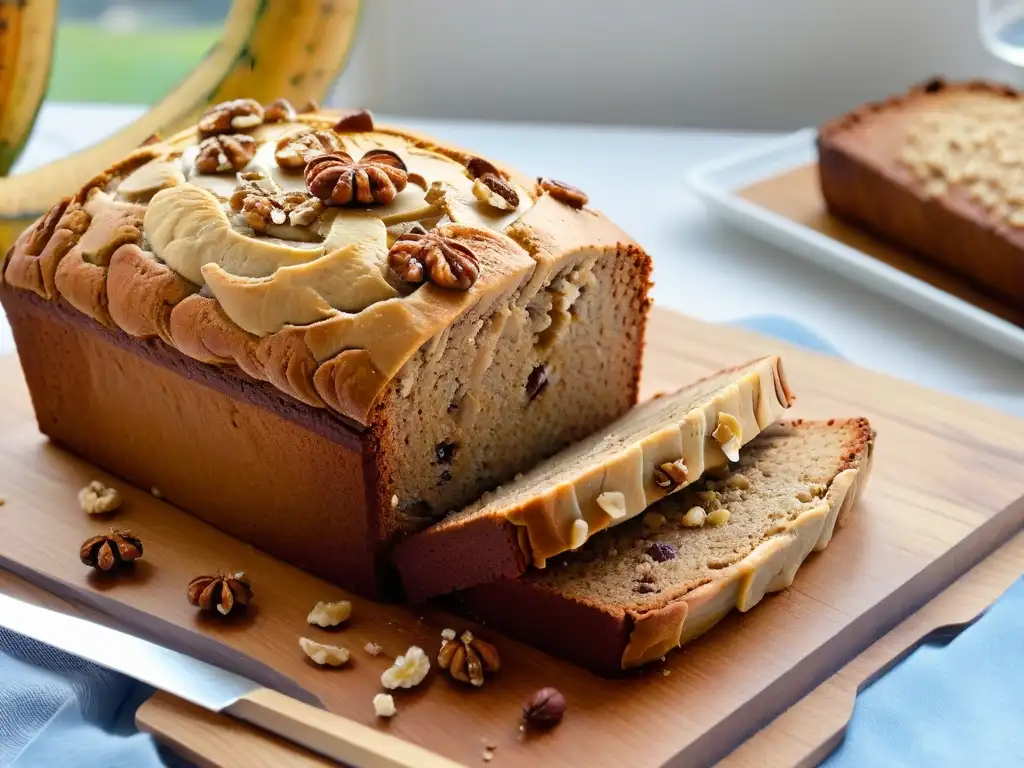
{"x":953,"y":702}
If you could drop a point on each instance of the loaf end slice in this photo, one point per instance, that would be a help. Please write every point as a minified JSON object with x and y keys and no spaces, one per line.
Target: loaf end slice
{"x":935,"y":171}
{"x":657,"y":449}
{"x":636,"y":591}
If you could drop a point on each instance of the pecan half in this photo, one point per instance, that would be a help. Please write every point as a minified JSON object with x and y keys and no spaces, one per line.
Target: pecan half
{"x":222,"y":592}
{"x":564,"y":193}
{"x":468,"y":658}
{"x":231,"y":116}
{"x":337,"y":179}
{"x":111,"y":550}
{"x":354,"y":121}
{"x":225,"y":153}
{"x":279,"y":111}
{"x":293,"y":152}
{"x":445,"y":262}
{"x":477,"y":167}
{"x":496,"y":192}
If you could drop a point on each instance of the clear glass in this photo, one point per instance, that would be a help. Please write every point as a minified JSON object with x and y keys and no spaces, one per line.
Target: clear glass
{"x":1001,"y":23}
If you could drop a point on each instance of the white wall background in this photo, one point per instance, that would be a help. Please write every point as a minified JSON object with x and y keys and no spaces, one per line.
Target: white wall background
{"x":749,"y":64}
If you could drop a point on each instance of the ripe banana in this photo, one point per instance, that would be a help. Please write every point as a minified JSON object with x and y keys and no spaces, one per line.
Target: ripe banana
{"x":26,"y":47}
{"x":269,"y":49}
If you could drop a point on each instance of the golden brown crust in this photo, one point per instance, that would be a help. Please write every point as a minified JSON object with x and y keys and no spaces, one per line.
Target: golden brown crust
{"x":864,"y":182}
{"x":92,"y":250}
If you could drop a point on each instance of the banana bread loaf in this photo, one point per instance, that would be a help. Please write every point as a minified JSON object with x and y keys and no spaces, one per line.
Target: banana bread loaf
{"x":317,"y":333}
{"x":634,"y":592}
{"x":938,"y":171}
{"x":657,"y":448}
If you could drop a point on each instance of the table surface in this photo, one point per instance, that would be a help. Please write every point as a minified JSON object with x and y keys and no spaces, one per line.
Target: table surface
{"x":702,"y":267}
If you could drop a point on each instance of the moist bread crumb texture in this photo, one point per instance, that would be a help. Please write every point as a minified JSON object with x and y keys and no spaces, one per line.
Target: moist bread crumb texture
{"x":603,"y":480}
{"x":351,"y":279}
{"x":637,"y":590}
{"x":939,"y":170}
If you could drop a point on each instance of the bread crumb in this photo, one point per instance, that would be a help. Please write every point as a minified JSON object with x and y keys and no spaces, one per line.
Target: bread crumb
{"x":384,"y":705}
{"x":408,"y":670}
{"x":666,"y":672}
{"x":156,"y":492}
{"x":98,"y":499}
{"x":374,"y":649}
{"x":488,"y":755}
{"x":329,"y":614}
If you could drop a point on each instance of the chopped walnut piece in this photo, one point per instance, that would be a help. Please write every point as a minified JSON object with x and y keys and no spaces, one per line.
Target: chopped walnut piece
{"x":337,"y":179}
{"x":323,"y":654}
{"x":670,"y":474}
{"x":111,"y":550}
{"x":225,"y":152}
{"x":222,"y":593}
{"x":293,"y":152}
{"x":578,"y":534}
{"x":374,"y":649}
{"x":613,"y":503}
{"x":564,"y":193}
{"x":729,"y":435}
{"x":331,"y":614}
{"x":261,"y":204}
{"x":355,"y":121}
{"x":279,"y":111}
{"x":231,"y":116}
{"x":409,"y":669}
{"x":97,"y":499}
{"x":468,"y":658}
{"x":447,"y":263}
{"x":495,"y":192}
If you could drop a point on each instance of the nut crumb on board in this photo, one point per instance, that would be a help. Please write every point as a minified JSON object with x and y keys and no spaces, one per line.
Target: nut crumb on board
{"x":323,"y":654}
{"x":374,"y":649}
{"x":408,"y":670}
{"x":97,"y":498}
{"x":384,"y":705}
{"x":329,"y":614}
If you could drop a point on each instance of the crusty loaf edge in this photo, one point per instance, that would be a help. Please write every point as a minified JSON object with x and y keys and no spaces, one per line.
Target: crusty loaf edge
{"x":771,"y":567}
{"x":100,"y":266}
{"x":545,"y":521}
{"x":885,"y":200}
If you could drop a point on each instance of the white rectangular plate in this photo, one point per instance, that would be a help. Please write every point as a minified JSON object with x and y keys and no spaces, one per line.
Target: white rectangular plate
{"x":718,"y":182}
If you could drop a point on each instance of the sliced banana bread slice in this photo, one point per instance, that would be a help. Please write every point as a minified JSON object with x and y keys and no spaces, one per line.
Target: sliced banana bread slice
{"x":656,"y":449}
{"x":638,"y":590}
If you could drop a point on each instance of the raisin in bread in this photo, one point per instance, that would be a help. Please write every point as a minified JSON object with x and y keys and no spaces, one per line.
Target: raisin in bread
{"x":633,"y":593}
{"x":317,"y":333}
{"x":937,"y":171}
{"x":657,"y":448}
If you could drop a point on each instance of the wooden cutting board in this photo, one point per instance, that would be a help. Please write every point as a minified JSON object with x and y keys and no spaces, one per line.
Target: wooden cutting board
{"x":947,"y":488}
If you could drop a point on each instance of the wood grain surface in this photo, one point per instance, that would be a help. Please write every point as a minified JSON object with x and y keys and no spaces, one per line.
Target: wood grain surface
{"x":796,"y":195}
{"x":946,"y":489}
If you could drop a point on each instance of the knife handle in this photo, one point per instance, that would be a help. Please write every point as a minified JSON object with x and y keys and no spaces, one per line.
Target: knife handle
{"x":330,"y":735}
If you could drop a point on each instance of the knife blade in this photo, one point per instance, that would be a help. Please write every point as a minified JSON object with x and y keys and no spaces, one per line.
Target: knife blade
{"x":216,"y":689}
